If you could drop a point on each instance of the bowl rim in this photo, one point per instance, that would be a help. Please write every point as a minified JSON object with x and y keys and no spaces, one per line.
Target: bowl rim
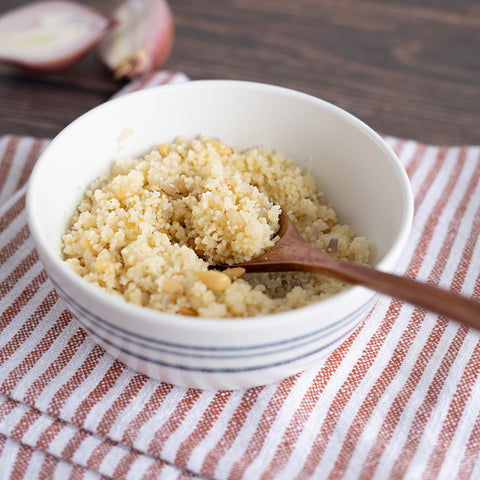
{"x":156,"y":318}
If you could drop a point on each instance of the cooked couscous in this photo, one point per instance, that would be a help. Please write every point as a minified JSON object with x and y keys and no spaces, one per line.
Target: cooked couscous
{"x":149,"y":230}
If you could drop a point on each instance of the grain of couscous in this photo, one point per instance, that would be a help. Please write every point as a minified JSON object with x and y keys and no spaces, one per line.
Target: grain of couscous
{"x":149,"y":230}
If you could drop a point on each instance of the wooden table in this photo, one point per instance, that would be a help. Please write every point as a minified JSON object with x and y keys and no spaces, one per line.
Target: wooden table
{"x":407,"y":68}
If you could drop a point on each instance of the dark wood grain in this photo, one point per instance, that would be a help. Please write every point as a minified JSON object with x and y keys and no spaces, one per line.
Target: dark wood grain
{"x":407,"y":68}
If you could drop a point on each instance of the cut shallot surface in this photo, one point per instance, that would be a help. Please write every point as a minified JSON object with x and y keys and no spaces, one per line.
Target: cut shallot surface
{"x":141,"y":40}
{"x":50,"y":35}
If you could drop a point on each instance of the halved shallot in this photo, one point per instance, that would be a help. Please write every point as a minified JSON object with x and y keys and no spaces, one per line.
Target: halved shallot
{"x":141,"y":40}
{"x":50,"y":35}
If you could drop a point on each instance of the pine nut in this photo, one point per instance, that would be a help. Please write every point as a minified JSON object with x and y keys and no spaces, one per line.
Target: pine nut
{"x":164,"y":149}
{"x":234,"y":218}
{"x":169,"y":188}
{"x":187,"y":311}
{"x":216,"y":281}
{"x":253,"y":198}
{"x":181,"y":187}
{"x":330,"y":222}
{"x":234,"y":272}
{"x":85,"y":243}
{"x":103,"y":264}
{"x":121,"y":194}
{"x":220,"y":147}
{"x":196,"y":247}
{"x":170,"y":285}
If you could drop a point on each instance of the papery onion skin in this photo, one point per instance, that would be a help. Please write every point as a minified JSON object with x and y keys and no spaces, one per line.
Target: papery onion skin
{"x":142,"y":39}
{"x":51,"y":35}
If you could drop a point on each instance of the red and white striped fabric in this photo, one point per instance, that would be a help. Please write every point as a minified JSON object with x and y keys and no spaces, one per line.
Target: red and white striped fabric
{"x":400,"y":398}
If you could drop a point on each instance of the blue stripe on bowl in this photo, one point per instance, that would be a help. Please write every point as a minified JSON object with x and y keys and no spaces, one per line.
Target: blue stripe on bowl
{"x":191,"y":368}
{"x":83,"y":313}
{"x":182,"y":353}
{"x":166,"y":347}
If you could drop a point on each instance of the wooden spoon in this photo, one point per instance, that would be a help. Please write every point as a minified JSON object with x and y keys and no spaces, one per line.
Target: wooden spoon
{"x":293,"y":253}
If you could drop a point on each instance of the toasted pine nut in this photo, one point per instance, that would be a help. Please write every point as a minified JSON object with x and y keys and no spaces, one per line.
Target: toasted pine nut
{"x":170,"y":285}
{"x":197,"y":248}
{"x":169,"y":188}
{"x":85,"y":243}
{"x":133,"y":226}
{"x":164,"y":149}
{"x":253,"y":198}
{"x":216,"y":281}
{"x":220,"y":147}
{"x":187,"y":311}
{"x":234,"y":218}
{"x":121,"y":194}
{"x":234,"y":272}
{"x":330,"y":222}
{"x":181,"y":187}
{"x":103,"y":264}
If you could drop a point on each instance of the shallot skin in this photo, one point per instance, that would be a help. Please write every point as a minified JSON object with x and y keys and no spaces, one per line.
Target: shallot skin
{"x":50,"y":35}
{"x":142,"y":39}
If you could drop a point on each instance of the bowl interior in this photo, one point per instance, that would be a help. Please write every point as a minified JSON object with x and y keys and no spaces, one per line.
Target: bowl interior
{"x":357,"y":171}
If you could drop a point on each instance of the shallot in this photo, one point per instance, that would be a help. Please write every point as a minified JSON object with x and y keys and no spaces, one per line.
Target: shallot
{"x":333,"y":246}
{"x":50,"y":35}
{"x":142,"y":39}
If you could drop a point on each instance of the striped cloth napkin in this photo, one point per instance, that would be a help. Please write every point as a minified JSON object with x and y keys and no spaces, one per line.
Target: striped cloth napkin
{"x":400,"y":398}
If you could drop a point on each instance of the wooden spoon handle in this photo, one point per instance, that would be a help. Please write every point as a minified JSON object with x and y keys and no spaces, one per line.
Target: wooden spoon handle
{"x":437,"y":300}
{"x":293,"y":253}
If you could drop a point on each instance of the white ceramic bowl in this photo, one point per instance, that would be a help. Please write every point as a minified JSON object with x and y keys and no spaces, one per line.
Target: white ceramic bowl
{"x":359,"y":173}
